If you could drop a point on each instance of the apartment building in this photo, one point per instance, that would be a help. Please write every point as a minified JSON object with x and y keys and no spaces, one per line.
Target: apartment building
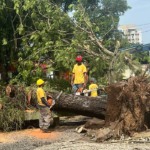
{"x":132,"y":33}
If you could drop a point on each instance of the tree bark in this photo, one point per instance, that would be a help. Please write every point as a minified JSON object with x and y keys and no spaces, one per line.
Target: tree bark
{"x":83,"y":105}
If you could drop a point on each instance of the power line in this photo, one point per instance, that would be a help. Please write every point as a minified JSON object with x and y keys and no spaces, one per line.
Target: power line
{"x":142,"y":29}
{"x":139,"y":24}
{"x":145,"y":31}
{"x":143,"y":24}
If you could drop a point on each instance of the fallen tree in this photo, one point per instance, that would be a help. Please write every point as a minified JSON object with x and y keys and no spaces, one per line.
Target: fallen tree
{"x":124,"y":109}
{"x":83,"y":105}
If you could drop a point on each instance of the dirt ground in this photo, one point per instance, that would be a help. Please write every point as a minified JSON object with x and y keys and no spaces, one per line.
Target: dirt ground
{"x":65,"y":137}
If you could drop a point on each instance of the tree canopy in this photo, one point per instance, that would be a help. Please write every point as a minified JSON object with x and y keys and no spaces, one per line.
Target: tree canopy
{"x":54,"y":32}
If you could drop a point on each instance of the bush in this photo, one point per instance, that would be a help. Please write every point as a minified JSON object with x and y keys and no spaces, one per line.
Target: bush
{"x":60,"y":85}
{"x":11,"y":118}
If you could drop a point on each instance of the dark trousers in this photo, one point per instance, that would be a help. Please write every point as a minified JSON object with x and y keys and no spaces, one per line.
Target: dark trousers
{"x":45,"y":117}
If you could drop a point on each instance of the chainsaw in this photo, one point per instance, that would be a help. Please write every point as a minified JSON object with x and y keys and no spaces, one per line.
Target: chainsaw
{"x":53,"y":102}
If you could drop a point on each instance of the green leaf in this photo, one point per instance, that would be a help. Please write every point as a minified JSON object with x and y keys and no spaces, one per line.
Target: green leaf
{"x":4,"y":41}
{"x":97,"y":29}
{"x":71,"y":6}
{"x":97,"y":59}
{"x":21,"y":29}
{"x":34,"y":36}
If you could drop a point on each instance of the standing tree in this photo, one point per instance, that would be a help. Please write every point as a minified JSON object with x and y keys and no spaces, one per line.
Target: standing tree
{"x":9,"y":43}
{"x":39,"y":30}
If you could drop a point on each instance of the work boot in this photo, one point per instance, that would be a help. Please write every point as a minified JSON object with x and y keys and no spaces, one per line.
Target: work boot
{"x":45,"y":130}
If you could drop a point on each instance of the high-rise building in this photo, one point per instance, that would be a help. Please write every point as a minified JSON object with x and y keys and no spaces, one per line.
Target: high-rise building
{"x":132,"y":33}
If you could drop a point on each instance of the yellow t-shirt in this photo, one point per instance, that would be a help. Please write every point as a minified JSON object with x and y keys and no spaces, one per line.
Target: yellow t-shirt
{"x":79,"y":71}
{"x":93,"y":87}
{"x":40,"y":93}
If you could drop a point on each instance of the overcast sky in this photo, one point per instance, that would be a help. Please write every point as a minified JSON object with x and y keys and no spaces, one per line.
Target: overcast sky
{"x":138,"y":15}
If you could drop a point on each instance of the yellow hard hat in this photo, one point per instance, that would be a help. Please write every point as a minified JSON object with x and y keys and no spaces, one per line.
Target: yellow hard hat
{"x":39,"y":82}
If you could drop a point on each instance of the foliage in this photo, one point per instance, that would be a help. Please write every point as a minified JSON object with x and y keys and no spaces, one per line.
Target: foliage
{"x":64,"y":4}
{"x":126,"y":62}
{"x":42,"y":32}
{"x":96,"y":34}
{"x":142,"y":57}
{"x":11,"y":118}
{"x":47,"y":39}
{"x":60,"y":85}
{"x":7,"y":37}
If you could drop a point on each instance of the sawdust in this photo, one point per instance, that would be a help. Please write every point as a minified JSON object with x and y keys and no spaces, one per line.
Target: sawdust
{"x":5,"y":138}
{"x":37,"y":133}
{"x":11,"y":137}
{"x":64,"y":138}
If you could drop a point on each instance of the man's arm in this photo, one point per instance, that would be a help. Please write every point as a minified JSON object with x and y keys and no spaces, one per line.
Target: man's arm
{"x":85,"y":76}
{"x":85,"y":79}
{"x":72,"y":78}
{"x":44,"y":101}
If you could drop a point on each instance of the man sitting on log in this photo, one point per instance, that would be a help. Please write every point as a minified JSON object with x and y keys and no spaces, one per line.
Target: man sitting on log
{"x":79,"y":76}
{"x":44,"y":107}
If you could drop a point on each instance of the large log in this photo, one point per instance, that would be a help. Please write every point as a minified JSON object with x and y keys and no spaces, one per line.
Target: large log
{"x":68,"y":103}
{"x":83,"y":105}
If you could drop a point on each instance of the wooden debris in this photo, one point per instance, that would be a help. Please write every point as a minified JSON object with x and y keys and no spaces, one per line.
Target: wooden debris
{"x":104,"y":134}
{"x":81,"y":129}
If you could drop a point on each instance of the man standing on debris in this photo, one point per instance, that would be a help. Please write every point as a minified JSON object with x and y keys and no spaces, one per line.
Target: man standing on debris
{"x":44,"y":107}
{"x":79,"y":76}
{"x":93,"y":87}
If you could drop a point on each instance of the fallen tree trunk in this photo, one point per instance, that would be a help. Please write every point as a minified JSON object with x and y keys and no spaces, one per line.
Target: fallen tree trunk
{"x":83,"y":105}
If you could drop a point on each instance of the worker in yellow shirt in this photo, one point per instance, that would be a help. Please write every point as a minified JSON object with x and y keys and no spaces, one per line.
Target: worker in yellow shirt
{"x":93,"y":87}
{"x":79,"y":76}
{"x":44,"y":107}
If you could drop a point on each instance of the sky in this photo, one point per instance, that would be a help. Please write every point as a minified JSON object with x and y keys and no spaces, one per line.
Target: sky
{"x":138,"y":15}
